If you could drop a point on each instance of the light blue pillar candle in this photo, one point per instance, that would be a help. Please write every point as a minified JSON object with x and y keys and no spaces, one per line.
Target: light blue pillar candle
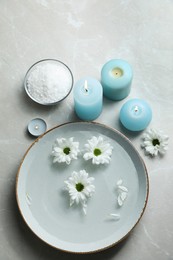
{"x":116,"y":78}
{"x":135,"y":114}
{"x":88,"y":98}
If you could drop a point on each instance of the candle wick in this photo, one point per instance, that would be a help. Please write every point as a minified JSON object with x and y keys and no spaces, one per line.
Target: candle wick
{"x":136,"y":108}
{"x":86,"y":86}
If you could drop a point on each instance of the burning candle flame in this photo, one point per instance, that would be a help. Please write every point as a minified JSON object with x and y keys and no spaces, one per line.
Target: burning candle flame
{"x":136,"y":108}
{"x":86,"y":86}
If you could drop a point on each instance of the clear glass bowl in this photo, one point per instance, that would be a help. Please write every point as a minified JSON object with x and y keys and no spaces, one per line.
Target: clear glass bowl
{"x":49,"y":81}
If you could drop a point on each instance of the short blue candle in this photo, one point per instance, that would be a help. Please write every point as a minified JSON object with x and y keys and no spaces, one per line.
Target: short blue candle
{"x":135,"y":114}
{"x":37,"y":127}
{"x":88,"y":98}
{"x":116,"y":78}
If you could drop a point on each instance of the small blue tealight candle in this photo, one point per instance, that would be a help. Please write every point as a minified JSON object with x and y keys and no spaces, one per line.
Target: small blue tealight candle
{"x":88,"y":98}
{"x":116,"y":78}
{"x":135,"y":114}
{"x":37,"y":127}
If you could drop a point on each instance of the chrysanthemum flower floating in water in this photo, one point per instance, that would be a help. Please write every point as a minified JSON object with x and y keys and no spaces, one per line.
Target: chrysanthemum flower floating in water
{"x":65,"y":150}
{"x":155,"y":142}
{"x":98,"y":150}
{"x":80,"y":188}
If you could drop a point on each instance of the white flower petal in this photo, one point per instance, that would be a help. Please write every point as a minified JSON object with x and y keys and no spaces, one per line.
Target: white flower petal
{"x":122,"y":192}
{"x":114,"y":216}
{"x":119,"y":182}
{"x":119,"y":200}
{"x":123,"y":196}
{"x":84,"y":208}
{"x":28,"y":199}
{"x":71,"y":202}
{"x":122,"y":188}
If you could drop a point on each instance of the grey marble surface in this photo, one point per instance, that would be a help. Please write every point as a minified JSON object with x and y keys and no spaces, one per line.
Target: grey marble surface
{"x":84,"y":35}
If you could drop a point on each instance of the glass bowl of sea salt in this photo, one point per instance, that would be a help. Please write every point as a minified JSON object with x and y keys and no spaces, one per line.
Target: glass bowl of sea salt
{"x":48,"y":81}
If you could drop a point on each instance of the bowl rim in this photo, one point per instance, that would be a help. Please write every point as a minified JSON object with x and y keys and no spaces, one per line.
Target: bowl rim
{"x":36,"y":63}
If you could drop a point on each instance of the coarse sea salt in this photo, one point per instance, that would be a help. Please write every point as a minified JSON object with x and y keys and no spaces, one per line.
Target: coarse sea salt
{"x":48,"y":82}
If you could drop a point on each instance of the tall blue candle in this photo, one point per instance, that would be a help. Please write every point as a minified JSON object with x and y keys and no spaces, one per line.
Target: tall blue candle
{"x":88,"y":98}
{"x":116,"y":78}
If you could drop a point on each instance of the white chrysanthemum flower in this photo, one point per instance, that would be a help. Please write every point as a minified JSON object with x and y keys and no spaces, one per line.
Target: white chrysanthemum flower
{"x":98,"y":150}
{"x":80,"y":188}
{"x":155,"y":142}
{"x":64,"y":150}
{"x":122,"y":192}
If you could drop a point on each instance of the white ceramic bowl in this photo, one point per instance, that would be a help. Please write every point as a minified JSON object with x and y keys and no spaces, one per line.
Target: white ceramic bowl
{"x":45,"y":205}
